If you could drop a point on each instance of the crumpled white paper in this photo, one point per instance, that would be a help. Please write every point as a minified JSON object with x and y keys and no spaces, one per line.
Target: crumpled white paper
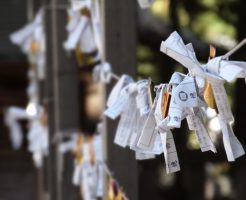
{"x":217,"y":71}
{"x":31,"y":39}
{"x":80,"y":28}
{"x":168,"y":144}
{"x":12,"y":115}
{"x":87,"y":175}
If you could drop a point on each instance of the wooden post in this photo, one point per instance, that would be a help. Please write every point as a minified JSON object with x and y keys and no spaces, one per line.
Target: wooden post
{"x":61,"y":91}
{"x":32,"y":9}
{"x":120,"y":51}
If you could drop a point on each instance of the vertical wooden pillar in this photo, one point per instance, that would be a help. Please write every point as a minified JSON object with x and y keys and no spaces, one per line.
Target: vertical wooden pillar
{"x":33,"y":7}
{"x":52,"y":175}
{"x":61,"y":91}
{"x":120,"y":52}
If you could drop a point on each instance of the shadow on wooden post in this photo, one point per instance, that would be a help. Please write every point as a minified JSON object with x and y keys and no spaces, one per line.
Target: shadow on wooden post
{"x":120,"y":51}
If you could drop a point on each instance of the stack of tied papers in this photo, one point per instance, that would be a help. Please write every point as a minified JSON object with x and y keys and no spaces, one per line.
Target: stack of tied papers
{"x":146,"y":123}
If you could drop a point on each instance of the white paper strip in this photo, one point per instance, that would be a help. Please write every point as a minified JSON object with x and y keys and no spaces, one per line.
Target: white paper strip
{"x":168,"y":145}
{"x":115,"y":92}
{"x":174,"y":47}
{"x":232,"y":146}
{"x":76,"y":179}
{"x":87,"y":41}
{"x":201,"y":131}
{"x":174,"y":114}
{"x":221,"y":99}
{"x":143,"y":156}
{"x":117,"y":108}
{"x":148,"y":134}
{"x":74,"y":36}
{"x":170,"y":153}
{"x":127,"y":123}
{"x":228,"y":70}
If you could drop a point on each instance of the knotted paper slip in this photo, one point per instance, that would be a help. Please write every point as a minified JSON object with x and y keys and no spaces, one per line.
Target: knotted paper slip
{"x":146,"y":127}
{"x":217,"y":71}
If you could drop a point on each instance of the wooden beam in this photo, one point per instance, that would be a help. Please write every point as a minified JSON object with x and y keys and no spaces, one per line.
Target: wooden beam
{"x":120,"y":51}
{"x":61,"y":91}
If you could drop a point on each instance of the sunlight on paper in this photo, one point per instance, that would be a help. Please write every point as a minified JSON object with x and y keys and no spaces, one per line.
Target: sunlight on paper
{"x":31,"y":109}
{"x":214,"y":125}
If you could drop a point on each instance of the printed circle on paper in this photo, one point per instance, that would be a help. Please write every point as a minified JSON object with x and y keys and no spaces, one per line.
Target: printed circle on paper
{"x":183,"y":96}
